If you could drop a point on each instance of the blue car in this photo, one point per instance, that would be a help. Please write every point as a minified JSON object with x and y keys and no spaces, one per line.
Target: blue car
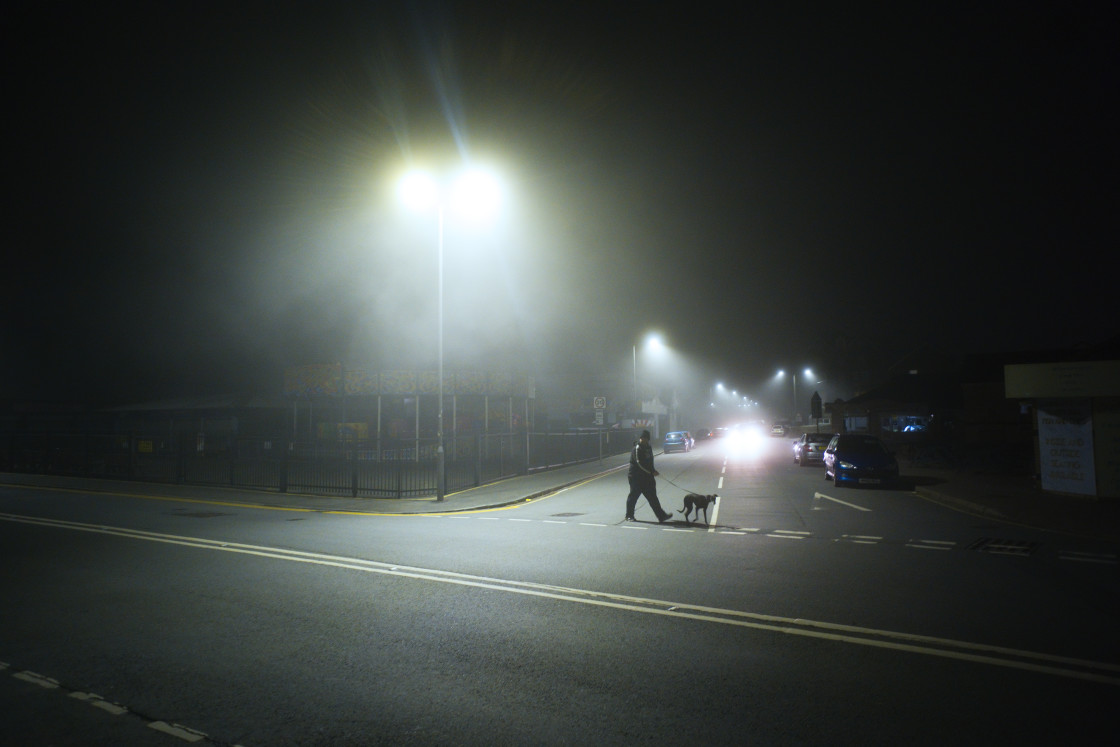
{"x":677,"y":441}
{"x":851,"y":459}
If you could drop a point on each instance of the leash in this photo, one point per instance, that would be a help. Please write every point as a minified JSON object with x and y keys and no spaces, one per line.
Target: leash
{"x":666,"y":479}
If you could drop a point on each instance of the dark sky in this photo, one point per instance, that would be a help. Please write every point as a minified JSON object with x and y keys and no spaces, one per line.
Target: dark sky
{"x":200,"y":196}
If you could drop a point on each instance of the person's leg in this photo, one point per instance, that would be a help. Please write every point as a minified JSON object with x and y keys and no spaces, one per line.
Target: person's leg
{"x":655,"y":504}
{"x":632,"y":499}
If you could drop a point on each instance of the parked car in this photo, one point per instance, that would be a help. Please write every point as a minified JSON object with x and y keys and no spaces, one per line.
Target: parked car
{"x":810,"y":447}
{"x":778,"y":431}
{"x":703,"y":434}
{"x":859,"y":460}
{"x":677,"y":441}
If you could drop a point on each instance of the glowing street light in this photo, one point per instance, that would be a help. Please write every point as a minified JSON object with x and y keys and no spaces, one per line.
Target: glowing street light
{"x":473,"y":193}
{"x":808,"y":375}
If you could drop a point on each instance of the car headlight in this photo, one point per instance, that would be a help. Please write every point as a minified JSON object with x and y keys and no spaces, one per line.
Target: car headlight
{"x":845,"y":465}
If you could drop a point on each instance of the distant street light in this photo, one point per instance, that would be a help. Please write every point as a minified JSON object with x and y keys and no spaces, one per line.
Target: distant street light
{"x":472,"y":193}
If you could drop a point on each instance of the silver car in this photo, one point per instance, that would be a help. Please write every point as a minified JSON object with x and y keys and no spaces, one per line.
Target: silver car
{"x":810,"y":448}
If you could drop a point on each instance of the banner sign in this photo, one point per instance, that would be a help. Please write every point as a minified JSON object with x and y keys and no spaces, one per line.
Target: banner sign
{"x":1065,"y":443}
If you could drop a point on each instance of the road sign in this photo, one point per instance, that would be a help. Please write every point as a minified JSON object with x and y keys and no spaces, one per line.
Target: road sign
{"x":600,"y":403}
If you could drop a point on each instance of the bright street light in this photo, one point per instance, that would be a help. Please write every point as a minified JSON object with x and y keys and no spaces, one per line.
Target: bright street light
{"x":473,"y":193}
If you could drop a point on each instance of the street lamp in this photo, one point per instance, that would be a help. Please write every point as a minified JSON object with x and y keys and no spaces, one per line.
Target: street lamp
{"x":652,"y":343}
{"x":808,"y":374}
{"x":471,"y":193}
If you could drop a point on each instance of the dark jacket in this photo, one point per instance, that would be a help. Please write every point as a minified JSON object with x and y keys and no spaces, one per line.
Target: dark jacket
{"x":641,"y":461}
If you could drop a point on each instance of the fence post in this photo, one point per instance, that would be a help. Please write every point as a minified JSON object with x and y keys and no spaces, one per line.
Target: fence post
{"x":353,"y":470}
{"x":478,"y":461}
{"x":284,"y":461}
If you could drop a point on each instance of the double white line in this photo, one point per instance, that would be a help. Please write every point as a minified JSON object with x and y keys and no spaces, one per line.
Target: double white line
{"x":1062,"y":666}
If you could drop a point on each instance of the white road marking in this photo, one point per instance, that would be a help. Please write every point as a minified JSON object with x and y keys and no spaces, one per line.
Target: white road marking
{"x":588,"y":524}
{"x":1088,"y":557}
{"x":1062,"y":666}
{"x":818,"y":496}
{"x":98,"y":702}
{"x":921,"y":544}
{"x":553,"y":521}
{"x":715,"y":511}
{"x":37,"y":679}
{"x":178,"y":730}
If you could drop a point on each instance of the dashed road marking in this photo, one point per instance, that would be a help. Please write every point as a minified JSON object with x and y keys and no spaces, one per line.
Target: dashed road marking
{"x":860,"y":539}
{"x":178,"y":730}
{"x":788,"y":534}
{"x":1103,"y":558}
{"x":921,"y":544}
{"x":98,"y":702}
{"x":37,"y":679}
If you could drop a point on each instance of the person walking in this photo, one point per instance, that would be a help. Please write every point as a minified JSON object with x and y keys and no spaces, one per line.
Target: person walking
{"x":642,"y":480}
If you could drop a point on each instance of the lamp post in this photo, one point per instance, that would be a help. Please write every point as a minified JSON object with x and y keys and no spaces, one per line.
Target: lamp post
{"x":651,"y":342}
{"x":808,"y":373}
{"x":473,"y":191}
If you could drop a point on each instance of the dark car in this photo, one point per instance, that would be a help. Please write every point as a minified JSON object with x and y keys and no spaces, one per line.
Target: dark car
{"x":810,"y":447}
{"x":677,"y":441}
{"x":703,"y":434}
{"x":859,"y":460}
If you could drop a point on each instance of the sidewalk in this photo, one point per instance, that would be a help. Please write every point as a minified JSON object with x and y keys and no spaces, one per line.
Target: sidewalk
{"x":1003,"y":498}
{"x":1018,"y":499}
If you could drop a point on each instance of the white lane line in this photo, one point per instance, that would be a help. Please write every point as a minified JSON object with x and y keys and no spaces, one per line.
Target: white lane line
{"x":524,"y":520}
{"x":921,"y":544}
{"x":740,"y":534}
{"x":37,"y":679}
{"x":178,"y":730}
{"x":1053,"y":664}
{"x":818,"y":496}
{"x":589,"y":524}
{"x":98,"y":702}
{"x":553,"y":521}
{"x":1088,"y":557}
{"x":715,"y":511}
{"x":719,"y":485}
{"x":860,"y":539}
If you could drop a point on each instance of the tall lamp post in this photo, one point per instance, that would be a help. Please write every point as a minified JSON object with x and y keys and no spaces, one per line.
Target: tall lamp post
{"x":651,"y":342}
{"x":472,"y":192}
{"x":808,"y":374}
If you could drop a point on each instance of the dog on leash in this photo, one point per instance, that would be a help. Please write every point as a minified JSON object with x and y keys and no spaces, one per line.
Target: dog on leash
{"x":696,"y":501}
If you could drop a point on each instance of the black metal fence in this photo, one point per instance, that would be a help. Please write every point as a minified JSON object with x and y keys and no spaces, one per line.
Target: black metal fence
{"x":382,"y":468}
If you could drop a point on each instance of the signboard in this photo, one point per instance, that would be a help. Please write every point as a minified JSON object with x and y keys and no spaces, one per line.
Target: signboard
{"x":1067,"y":379}
{"x":1065,"y":447}
{"x":600,"y":403}
{"x":598,"y":417}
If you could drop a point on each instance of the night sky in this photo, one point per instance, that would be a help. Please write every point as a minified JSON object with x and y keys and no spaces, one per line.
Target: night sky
{"x":200,"y":196}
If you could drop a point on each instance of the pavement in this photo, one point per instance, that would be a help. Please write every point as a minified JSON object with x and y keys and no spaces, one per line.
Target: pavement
{"x":1011,"y":499}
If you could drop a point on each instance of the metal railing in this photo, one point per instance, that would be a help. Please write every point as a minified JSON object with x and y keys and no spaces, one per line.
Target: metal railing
{"x":380,"y":468}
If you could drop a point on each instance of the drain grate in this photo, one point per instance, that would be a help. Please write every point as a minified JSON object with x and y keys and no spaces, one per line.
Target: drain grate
{"x":569,"y":514}
{"x":996,"y":546}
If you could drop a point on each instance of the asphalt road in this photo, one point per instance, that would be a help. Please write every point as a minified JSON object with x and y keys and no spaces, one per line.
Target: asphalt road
{"x":802,"y":614}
